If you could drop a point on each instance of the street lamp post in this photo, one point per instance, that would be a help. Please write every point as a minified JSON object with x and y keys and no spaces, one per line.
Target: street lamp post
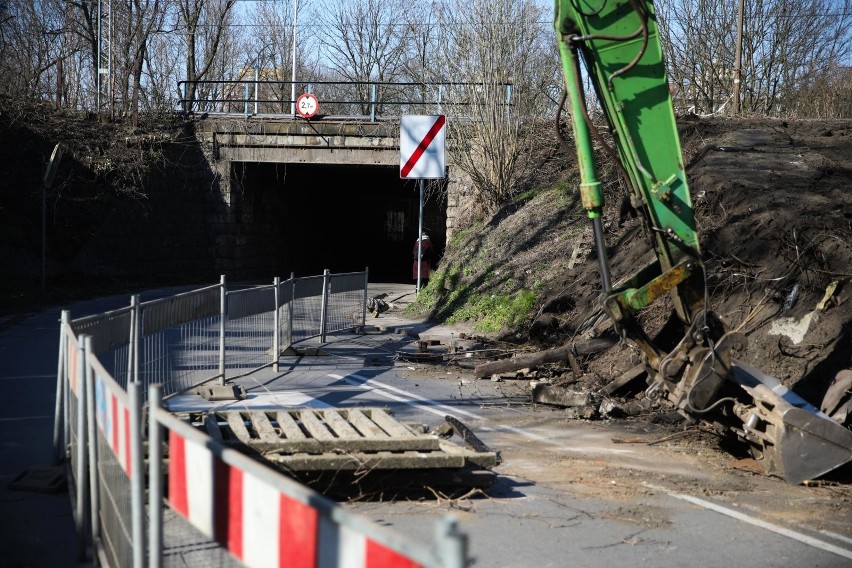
{"x":293,"y":77}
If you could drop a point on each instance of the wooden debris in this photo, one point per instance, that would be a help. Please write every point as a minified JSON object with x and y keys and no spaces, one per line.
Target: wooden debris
{"x":521,"y":361}
{"x":628,"y":377}
{"x":556,"y":355}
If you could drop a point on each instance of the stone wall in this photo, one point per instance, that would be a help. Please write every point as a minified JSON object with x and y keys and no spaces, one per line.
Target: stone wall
{"x":169,"y":231}
{"x":460,"y":200}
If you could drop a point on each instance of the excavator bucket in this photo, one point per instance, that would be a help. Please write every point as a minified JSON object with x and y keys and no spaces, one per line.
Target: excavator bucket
{"x":792,"y":438}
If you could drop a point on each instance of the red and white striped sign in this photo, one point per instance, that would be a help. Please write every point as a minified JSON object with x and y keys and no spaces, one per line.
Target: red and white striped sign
{"x":259,"y":524}
{"x":114,"y":420}
{"x":73,"y":362}
{"x":422,"y":140}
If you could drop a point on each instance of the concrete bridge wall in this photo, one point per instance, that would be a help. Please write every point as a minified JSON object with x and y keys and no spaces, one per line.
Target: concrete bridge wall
{"x":236,"y":148}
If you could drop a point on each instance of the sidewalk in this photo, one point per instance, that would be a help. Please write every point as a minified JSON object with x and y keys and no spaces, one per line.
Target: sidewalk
{"x":36,"y":529}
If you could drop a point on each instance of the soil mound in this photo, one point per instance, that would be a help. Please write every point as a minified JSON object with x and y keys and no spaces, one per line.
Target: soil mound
{"x":774,"y":211}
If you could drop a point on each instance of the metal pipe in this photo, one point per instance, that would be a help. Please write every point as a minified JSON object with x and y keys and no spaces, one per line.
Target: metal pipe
{"x":137,"y":475}
{"x":373,"y":98}
{"x":66,"y":404}
{"x":326,"y":276}
{"x":290,"y":310}
{"x":58,"y":413}
{"x":276,"y":320}
{"x":131,"y":344}
{"x":93,"y":447}
{"x":451,"y":543}
{"x":246,"y":105}
{"x":364,"y":305}
{"x":293,"y":76}
{"x":420,"y":236}
{"x":43,"y":236}
{"x":223,"y":294}
{"x":256,"y":87}
{"x":137,"y":337}
{"x":82,"y":363}
{"x":155,"y":479}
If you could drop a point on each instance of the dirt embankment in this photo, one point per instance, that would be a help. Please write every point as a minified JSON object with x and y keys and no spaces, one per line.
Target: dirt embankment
{"x":774,"y":212}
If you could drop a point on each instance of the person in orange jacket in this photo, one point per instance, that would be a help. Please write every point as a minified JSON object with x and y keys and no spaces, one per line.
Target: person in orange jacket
{"x":425,"y":257}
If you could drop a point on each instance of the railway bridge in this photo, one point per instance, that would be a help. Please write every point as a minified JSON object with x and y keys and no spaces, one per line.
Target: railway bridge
{"x":333,"y":180}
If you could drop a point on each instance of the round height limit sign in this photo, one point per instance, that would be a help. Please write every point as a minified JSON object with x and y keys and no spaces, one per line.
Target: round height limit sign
{"x":307,"y":105}
{"x":422,"y":141}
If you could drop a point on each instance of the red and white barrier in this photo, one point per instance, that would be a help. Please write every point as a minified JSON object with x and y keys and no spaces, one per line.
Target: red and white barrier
{"x":259,"y":524}
{"x":113,"y":416}
{"x":73,"y":362}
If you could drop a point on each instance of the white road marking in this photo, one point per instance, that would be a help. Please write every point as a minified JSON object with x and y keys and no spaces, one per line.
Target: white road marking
{"x":803,"y":538}
{"x":19,"y":377}
{"x":43,"y":417}
{"x":359,"y":381}
{"x":834,"y":535}
{"x":430,"y":405}
{"x":264,"y":401}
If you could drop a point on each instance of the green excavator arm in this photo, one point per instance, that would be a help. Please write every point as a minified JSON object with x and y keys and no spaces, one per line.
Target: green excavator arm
{"x":617,"y":42}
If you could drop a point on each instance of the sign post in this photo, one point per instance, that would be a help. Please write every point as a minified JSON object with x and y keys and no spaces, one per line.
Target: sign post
{"x":422,"y":145}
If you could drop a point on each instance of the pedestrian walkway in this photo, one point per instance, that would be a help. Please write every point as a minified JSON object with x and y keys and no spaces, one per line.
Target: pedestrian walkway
{"x":36,"y":529}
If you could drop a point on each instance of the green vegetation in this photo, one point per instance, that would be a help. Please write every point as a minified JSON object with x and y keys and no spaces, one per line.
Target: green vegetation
{"x":489,"y":313}
{"x":495,"y":312}
{"x":494,"y":273}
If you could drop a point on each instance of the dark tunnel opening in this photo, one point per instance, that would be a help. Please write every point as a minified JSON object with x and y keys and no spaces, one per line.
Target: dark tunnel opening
{"x":340,"y":217}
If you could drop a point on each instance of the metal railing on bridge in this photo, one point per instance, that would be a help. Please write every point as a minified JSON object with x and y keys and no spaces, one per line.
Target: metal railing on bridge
{"x":361,"y":100}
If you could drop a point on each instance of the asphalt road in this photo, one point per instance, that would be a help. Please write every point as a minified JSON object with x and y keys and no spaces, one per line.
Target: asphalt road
{"x":626,"y":506}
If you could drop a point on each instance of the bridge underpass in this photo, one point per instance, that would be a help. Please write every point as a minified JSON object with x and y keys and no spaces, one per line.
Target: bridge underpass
{"x":338,"y":216}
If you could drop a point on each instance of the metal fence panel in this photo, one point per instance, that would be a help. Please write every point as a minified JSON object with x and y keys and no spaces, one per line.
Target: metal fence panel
{"x":345,"y":301}
{"x":170,"y":312}
{"x":110,"y":330}
{"x":249,"y":330}
{"x":307,"y":307}
{"x":251,"y":301}
{"x":285,"y":314}
{"x":181,"y":356}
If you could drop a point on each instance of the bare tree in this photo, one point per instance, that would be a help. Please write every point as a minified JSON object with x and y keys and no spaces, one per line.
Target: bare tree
{"x":365,"y":41}
{"x":31,"y":48}
{"x":828,"y":94}
{"x":787,"y":45}
{"x":272,"y":38}
{"x":699,"y":46}
{"x":203,"y":22}
{"x":501,"y":52}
